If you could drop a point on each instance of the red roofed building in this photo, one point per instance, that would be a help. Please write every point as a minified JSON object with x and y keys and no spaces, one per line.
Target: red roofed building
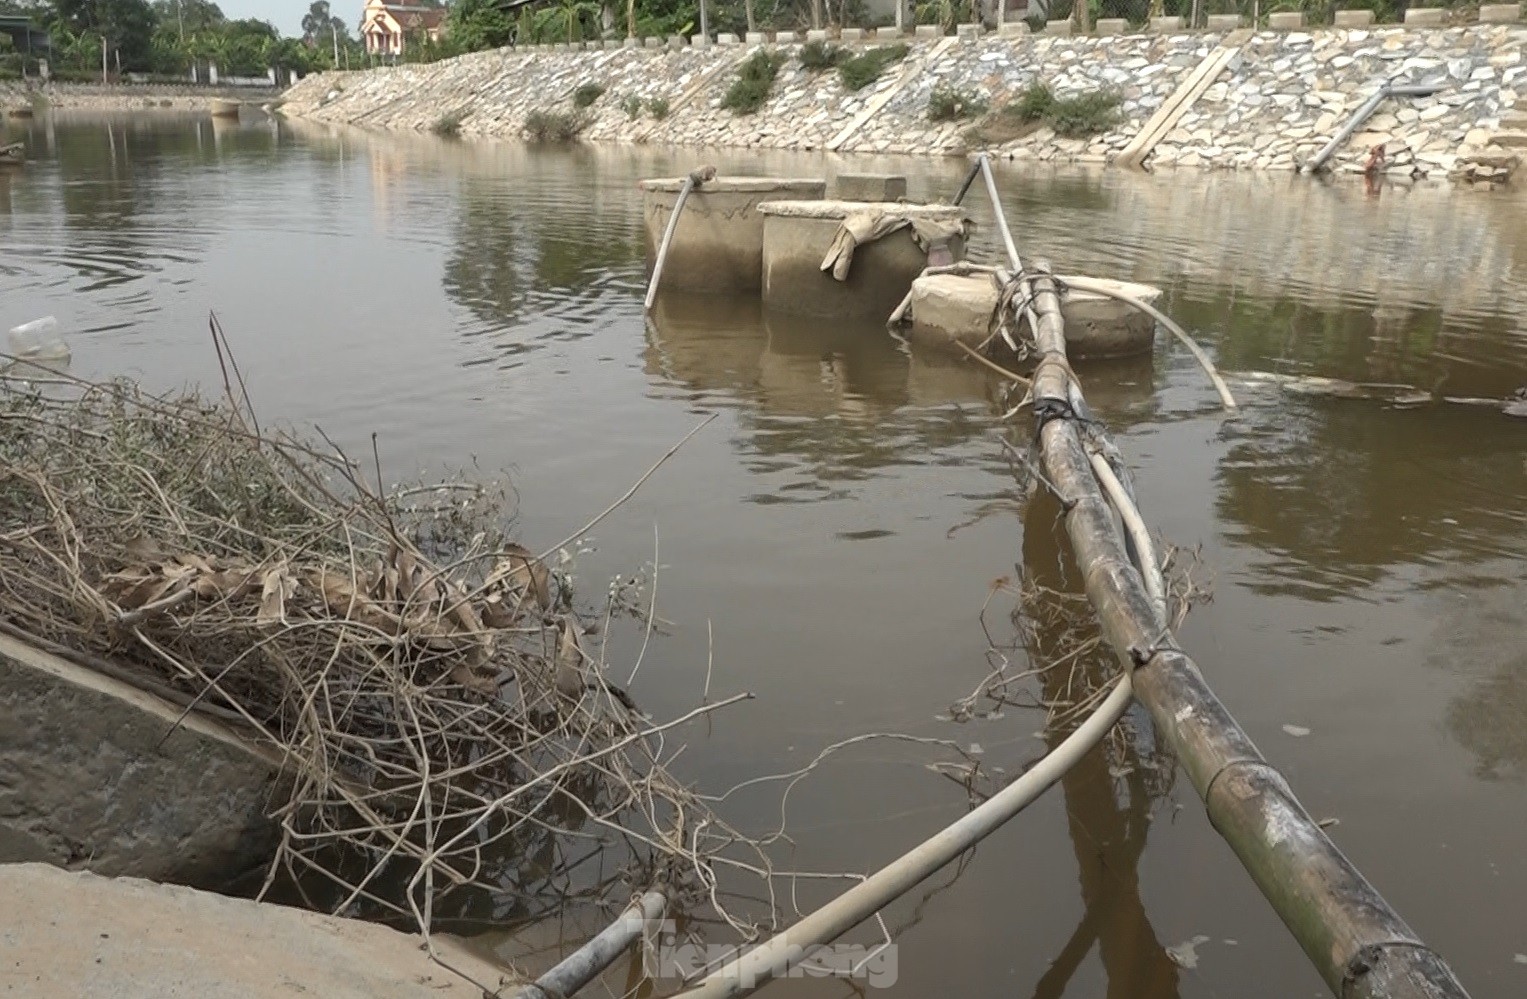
{"x":387,"y":27}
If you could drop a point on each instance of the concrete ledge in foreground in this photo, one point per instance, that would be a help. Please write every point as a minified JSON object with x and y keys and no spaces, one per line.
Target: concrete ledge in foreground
{"x":67,"y":934}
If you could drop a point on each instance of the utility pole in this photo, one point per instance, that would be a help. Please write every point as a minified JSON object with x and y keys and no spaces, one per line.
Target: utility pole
{"x":103,"y":60}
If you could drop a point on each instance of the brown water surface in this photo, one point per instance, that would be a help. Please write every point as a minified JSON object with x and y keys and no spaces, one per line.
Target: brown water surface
{"x":832,"y":536}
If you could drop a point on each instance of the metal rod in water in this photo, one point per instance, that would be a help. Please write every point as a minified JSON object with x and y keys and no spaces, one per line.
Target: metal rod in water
{"x":662,"y":250}
{"x":970,"y":178}
{"x":585,"y":964}
{"x":1362,"y":114}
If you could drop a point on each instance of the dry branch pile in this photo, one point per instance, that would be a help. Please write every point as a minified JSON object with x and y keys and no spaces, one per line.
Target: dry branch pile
{"x":445,"y":726}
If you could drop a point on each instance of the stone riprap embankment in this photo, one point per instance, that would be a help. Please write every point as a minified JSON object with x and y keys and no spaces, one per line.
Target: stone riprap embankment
{"x":127,"y":97}
{"x":1274,"y":104}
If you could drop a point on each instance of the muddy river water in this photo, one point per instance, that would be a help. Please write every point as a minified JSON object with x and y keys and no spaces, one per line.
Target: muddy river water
{"x":828,"y":542}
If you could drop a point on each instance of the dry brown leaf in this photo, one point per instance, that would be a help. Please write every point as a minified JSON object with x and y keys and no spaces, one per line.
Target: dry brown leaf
{"x":275,"y":588}
{"x":569,"y":660}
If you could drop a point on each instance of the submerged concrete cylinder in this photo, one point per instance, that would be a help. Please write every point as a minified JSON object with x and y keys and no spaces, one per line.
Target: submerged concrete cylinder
{"x":718,"y":245}
{"x":798,"y":235}
{"x":951,"y":307}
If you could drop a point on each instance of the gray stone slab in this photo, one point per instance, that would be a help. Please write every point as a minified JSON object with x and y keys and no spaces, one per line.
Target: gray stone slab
{"x":94,"y":771}
{"x":1223,"y":22}
{"x":1165,"y":25}
{"x":1425,"y":17}
{"x":1286,"y":20}
{"x":1061,"y":28}
{"x":1111,"y":26}
{"x":1500,"y":13}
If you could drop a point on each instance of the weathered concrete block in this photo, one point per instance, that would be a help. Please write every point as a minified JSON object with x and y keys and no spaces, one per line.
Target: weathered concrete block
{"x":726,"y":38}
{"x":1425,"y":17}
{"x":128,"y":937}
{"x":1111,"y":26}
{"x":1062,"y":28}
{"x":718,"y":245}
{"x":96,"y":772}
{"x":818,"y":35}
{"x":677,"y":41}
{"x":561,"y":47}
{"x":652,"y":43}
{"x":870,"y":187}
{"x":787,"y":37}
{"x":631,"y":42}
{"x":850,"y":35}
{"x":612,"y":43}
{"x":797,"y":237}
{"x":1353,"y":18}
{"x":890,"y":34}
{"x":1165,"y":25}
{"x":1286,"y":20}
{"x":700,"y":41}
{"x":950,"y":308}
{"x":1099,"y":327}
{"x":967,"y":30}
{"x":755,"y":38}
{"x":1500,"y":13}
{"x":1014,"y":29}
{"x":1223,"y":22}
{"x":929,"y":31}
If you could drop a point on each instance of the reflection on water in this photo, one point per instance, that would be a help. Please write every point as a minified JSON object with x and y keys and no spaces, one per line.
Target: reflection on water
{"x":828,"y":542}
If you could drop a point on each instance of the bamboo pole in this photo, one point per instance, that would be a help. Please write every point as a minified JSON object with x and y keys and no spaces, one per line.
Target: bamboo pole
{"x":1358,"y":943}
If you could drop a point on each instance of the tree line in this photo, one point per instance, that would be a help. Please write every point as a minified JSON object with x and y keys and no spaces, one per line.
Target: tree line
{"x":169,"y":37}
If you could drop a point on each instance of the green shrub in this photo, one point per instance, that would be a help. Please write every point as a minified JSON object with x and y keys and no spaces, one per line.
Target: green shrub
{"x":658,"y":107}
{"x":1034,"y":103}
{"x":587,"y":94}
{"x":1085,"y":114}
{"x":819,"y":56}
{"x":553,"y":126}
{"x":449,"y":123}
{"x":1074,"y":117}
{"x":954,"y":104}
{"x":754,"y":80}
{"x":864,"y":69}
{"x":632,"y":106}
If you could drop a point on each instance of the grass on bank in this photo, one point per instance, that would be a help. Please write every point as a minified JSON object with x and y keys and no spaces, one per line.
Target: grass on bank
{"x":755,"y":78}
{"x":867,"y":67}
{"x":587,"y":94}
{"x":554,"y":126}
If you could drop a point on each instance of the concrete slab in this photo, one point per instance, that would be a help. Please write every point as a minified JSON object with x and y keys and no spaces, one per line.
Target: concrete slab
{"x":1425,"y":17}
{"x":1353,"y":18}
{"x":1500,"y":13}
{"x":94,"y":773}
{"x":929,"y":31}
{"x":849,"y":36}
{"x":1014,"y":29}
{"x":1111,"y":26}
{"x":76,"y":934}
{"x":1165,"y":25}
{"x":1223,"y":22}
{"x":870,"y":187}
{"x":1061,"y":28}
{"x":1286,"y":20}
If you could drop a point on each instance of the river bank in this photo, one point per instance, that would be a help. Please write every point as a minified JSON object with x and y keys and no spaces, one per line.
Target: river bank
{"x":1279,"y":97}
{"x":127,"y":96}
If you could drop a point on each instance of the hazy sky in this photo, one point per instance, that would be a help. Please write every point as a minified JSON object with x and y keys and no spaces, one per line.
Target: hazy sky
{"x":287,"y":14}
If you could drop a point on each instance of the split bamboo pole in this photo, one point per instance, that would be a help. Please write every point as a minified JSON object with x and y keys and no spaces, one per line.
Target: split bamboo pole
{"x":1358,"y":943}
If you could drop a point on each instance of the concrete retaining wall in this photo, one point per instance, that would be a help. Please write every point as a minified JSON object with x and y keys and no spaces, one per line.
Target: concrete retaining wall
{"x":1278,"y":99}
{"x":91,"y":776}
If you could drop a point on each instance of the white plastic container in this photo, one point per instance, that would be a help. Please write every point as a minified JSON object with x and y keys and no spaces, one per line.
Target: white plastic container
{"x":38,"y":340}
